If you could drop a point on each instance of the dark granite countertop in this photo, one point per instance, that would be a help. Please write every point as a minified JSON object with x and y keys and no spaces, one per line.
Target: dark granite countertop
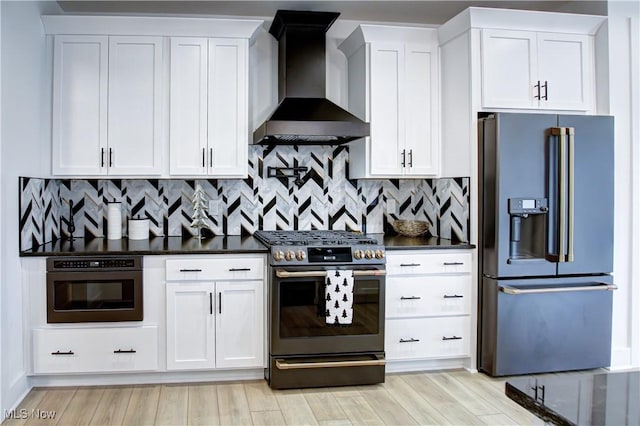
{"x":215,"y":245}
{"x":580,"y":398}
{"x":398,"y":242}
{"x":156,"y":246}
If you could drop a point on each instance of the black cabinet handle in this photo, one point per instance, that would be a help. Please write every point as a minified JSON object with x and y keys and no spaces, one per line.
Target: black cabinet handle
{"x":451,"y":338}
{"x":210,"y":157}
{"x":410,"y":298}
{"x":101,"y":157}
{"x":219,"y":302}
{"x":453,"y":296}
{"x":126,"y":351}
{"x":63,"y":353}
{"x":412,"y":340}
{"x":190,"y":270}
{"x":110,"y":157}
{"x":537,"y":86}
{"x":210,"y":303}
{"x":203,"y":155}
{"x":411,"y":158}
{"x":404,"y":157}
{"x":546,"y":90}
{"x":239,"y":269}
{"x":452,"y":263}
{"x":409,"y":264}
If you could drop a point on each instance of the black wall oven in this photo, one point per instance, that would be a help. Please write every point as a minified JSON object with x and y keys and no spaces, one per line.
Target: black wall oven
{"x":94,"y":289}
{"x":306,"y":350}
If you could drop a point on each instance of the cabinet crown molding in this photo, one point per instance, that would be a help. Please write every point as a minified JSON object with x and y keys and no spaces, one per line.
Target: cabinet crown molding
{"x":151,"y":26}
{"x":366,"y":33}
{"x":525,"y":20}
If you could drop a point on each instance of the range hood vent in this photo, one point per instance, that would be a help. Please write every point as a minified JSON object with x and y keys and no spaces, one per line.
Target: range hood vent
{"x":304,"y":115}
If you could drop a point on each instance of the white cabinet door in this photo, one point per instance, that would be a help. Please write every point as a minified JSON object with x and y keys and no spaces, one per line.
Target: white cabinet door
{"x":80,"y":72}
{"x":228,"y":128}
{"x":209,"y":107}
{"x":135,"y":105}
{"x":509,"y":69}
{"x":190,"y":326}
{"x":188,"y":106}
{"x":387,"y":122}
{"x":239,"y":324}
{"x":421,"y":111}
{"x":563,"y":64}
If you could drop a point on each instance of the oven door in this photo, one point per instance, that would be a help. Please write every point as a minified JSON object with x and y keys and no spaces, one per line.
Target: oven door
{"x":74,"y":297}
{"x":299,"y":324}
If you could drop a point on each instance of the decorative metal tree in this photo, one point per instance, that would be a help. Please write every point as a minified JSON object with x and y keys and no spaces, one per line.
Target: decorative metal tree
{"x":199,"y":216}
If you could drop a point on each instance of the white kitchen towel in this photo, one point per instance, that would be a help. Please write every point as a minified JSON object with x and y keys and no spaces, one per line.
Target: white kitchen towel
{"x":339,"y":297}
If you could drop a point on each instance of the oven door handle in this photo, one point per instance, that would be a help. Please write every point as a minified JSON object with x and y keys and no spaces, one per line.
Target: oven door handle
{"x":284,"y":365}
{"x":306,"y":274}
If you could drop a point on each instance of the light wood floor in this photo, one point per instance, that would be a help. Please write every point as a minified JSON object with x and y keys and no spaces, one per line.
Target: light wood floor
{"x":438,"y":398}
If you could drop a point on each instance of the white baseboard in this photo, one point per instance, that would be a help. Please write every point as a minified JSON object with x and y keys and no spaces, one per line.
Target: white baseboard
{"x":14,"y":394}
{"x":146,"y":378}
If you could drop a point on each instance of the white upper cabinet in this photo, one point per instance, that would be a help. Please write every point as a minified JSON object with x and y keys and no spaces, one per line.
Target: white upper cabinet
{"x":209,"y":128}
{"x":124,"y":86}
{"x":107,"y":103}
{"x":393,"y":84}
{"x":536,"y":70}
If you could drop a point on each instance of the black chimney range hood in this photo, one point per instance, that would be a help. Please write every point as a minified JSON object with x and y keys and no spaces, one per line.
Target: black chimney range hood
{"x":304,"y":116}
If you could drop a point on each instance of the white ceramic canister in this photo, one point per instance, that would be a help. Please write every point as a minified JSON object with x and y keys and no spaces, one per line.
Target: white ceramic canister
{"x":114,"y":220}
{"x":139,"y":229}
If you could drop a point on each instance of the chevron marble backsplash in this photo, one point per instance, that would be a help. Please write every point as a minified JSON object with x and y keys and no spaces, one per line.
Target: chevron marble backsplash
{"x":323,"y":198}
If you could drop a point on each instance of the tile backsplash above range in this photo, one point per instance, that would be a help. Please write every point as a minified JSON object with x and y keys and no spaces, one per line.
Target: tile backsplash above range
{"x":322,"y":198}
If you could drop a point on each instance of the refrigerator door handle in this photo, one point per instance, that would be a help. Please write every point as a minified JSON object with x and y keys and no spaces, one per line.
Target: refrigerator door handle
{"x":522,"y":291}
{"x":564,"y":220}
{"x":570,"y":131}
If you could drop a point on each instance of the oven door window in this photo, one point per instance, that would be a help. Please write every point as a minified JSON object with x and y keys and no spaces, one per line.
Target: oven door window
{"x":302,"y":309}
{"x":86,"y":295}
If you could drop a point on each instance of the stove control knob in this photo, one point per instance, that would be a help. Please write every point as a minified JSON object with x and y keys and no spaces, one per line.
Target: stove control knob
{"x":278,"y":255}
{"x":301,"y":255}
{"x":379,"y":254}
{"x":368,"y":254}
{"x":358,"y":254}
{"x":289,"y":255}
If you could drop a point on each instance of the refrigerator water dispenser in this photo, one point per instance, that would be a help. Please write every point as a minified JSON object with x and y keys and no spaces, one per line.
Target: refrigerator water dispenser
{"x":528,"y":228}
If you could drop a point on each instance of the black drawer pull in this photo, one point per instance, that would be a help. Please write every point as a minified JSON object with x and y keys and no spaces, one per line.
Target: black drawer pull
{"x":120,"y":351}
{"x":412,"y":340}
{"x":239,"y":269}
{"x":190,"y":270}
{"x":454,"y":296}
{"x":409,"y":264}
{"x":410,"y":298}
{"x":453,"y":263}
{"x":63,"y":353}
{"x":451,"y":338}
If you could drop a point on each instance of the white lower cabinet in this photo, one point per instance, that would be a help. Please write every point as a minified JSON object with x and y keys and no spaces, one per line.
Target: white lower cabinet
{"x":215,"y":314}
{"x":428,"y":305}
{"x":95,"y":350}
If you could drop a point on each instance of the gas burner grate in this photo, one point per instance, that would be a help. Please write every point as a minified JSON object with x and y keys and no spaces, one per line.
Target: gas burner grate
{"x":313,"y":237}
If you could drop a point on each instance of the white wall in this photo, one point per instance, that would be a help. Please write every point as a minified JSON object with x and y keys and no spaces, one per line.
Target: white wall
{"x":624,"y":104}
{"x":24,"y":151}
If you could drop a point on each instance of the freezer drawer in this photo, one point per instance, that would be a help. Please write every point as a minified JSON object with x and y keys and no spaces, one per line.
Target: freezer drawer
{"x":545,"y":325}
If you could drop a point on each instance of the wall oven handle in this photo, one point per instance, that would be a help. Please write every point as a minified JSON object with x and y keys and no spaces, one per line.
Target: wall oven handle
{"x":284,"y":365}
{"x":63,"y":353}
{"x":518,"y":291}
{"x":126,"y":351}
{"x":309,"y":274}
{"x":190,"y":270}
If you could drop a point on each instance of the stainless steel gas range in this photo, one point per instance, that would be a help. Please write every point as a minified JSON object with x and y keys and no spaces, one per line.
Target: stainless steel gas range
{"x":326,"y":308}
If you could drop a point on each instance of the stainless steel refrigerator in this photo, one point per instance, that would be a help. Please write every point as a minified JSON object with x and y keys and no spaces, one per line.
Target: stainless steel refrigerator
{"x":545,"y":243}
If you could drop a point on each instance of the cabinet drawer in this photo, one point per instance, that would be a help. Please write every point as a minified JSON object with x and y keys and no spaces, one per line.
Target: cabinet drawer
{"x":221,"y":268}
{"x":429,"y":295}
{"x":428,"y":263}
{"x":427,"y":338}
{"x":95,"y":350}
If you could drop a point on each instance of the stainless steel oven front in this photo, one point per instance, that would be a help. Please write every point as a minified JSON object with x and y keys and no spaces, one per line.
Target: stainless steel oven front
{"x":94,"y":289}
{"x":306,"y":350}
